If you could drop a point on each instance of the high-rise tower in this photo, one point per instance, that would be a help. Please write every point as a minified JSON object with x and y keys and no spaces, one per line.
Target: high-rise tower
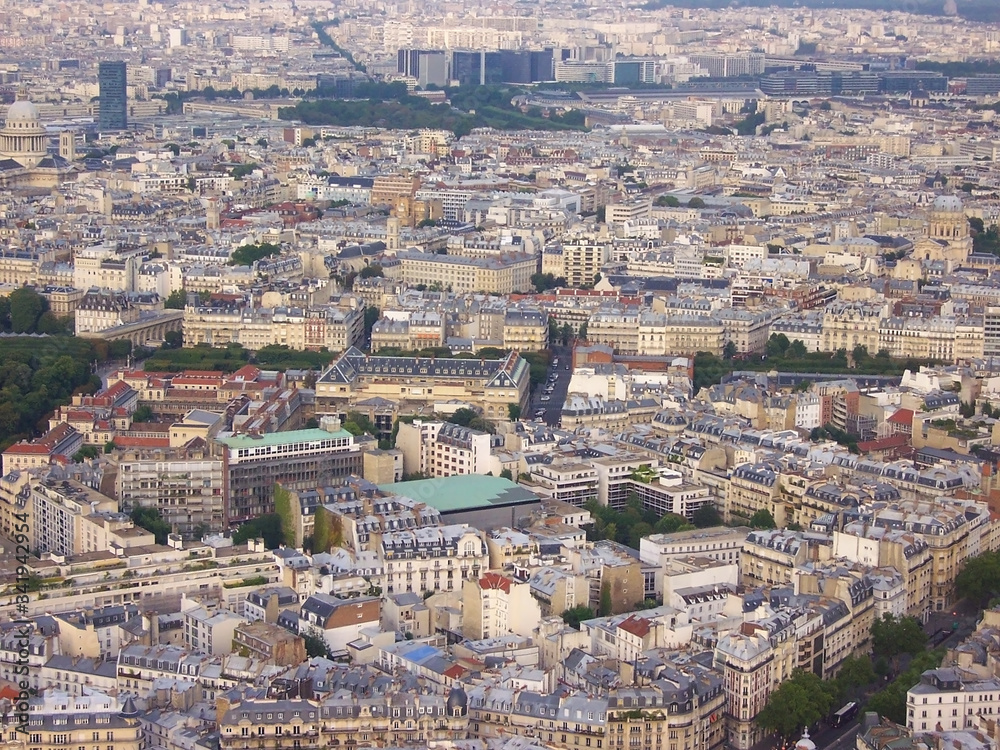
{"x":113,"y":114}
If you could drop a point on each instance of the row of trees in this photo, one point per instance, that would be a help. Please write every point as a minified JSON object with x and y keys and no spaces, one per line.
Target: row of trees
{"x":792,"y":356}
{"x":805,"y":699}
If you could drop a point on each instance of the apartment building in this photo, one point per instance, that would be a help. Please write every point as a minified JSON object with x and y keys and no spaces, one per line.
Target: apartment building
{"x":401,"y":718}
{"x":770,"y":557}
{"x":752,"y":487}
{"x":442,"y":449}
{"x":495,"y":605}
{"x":219,"y":323}
{"x":434,"y":558}
{"x":208,"y":629}
{"x":747,"y":661}
{"x":570,"y":480}
{"x":297,"y":459}
{"x":338,"y":621}
{"x":525,"y":329}
{"x":60,"y":440}
{"x":582,"y":260}
{"x":414,"y":383}
{"x":648,"y":333}
{"x":748,"y":330}
{"x":92,"y":722}
{"x":682,"y":708}
{"x":59,"y":515}
{"x":100,"y":309}
{"x":849,"y":324}
{"x":723,"y":544}
{"x":943,"y":338}
{"x":387,"y":188}
{"x":948,"y":529}
{"x":497,"y":274}
{"x":949,"y":699}
{"x":903,"y":551}
{"x":186,"y":485}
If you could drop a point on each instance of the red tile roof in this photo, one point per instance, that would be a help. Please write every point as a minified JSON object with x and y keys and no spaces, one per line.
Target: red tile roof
{"x":495,"y":581}
{"x":635,"y":625}
{"x":902,"y":416}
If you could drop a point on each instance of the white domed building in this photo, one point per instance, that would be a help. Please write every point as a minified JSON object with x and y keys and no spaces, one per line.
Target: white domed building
{"x":24,"y":157}
{"x":947,"y":236}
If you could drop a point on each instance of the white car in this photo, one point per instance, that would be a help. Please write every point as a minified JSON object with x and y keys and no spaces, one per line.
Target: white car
{"x":545,"y":398}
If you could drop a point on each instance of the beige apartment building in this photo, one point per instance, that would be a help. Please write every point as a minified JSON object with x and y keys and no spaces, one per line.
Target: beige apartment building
{"x":648,"y":333}
{"x":84,"y":722}
{"x":387,"y":188}
{"x":335,"y":328}
{"x":943,"y":338}
{"x":498,"y":274}
{"x":416,"y":384}
{"x":582,"y":260}
{"x":185,"y":484}
{"x":396,"y":720}
{"x":849,"y":324}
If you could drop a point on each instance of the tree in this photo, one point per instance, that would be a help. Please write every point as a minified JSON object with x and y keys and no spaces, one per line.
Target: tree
{"x":151,"y":520}
{"x":566,"y":334}
{"x":979,"y":580}
{"x":855,"y":672}
{"x":173,"y":340}
{"x":283,"y":509}
{"x":696,"y":202}
{"x":26,"y":308}
{"x":463,"y":417}
{"x":670,"y":523}
{"x":506,"y":474}
{"x":890,"y":702}
{"x":637,"y":532}
{"x":247,"y":255}
{"x":143,"y":414}
{"x":109,"y":447}
{"x":668,"y":200}
{"x":706,"y":516}
{"x":796,"y":350}
{"x":777,"y":345}
{"x":799,"y":701}
{"x":85,"y":453}
{"x":606,"y":601}
{"x":859,"y":353}
{"x":762,"y":519}
{"x":267,"y":527}
{"x":316,"y":644}
{"x":176,"y":300}
{"x":730,"y":350}
{"x":892,"y":636}
{"x":513,"y":412}
{"x":574,"y":616}
{"x":371,"y":271}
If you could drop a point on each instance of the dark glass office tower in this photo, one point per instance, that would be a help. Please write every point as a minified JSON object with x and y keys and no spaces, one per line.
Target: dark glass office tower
{"x":113,"y":114}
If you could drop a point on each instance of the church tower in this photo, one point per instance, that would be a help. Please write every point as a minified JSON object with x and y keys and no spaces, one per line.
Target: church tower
{"x":67,"y":145}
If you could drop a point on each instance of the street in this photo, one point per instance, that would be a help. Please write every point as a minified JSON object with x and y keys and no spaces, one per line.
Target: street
{"x":550,"y":410}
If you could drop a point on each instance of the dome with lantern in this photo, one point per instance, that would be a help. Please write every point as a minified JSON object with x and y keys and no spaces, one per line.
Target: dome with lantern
{"x":805,"y":743}
{"x":23,"y":139}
